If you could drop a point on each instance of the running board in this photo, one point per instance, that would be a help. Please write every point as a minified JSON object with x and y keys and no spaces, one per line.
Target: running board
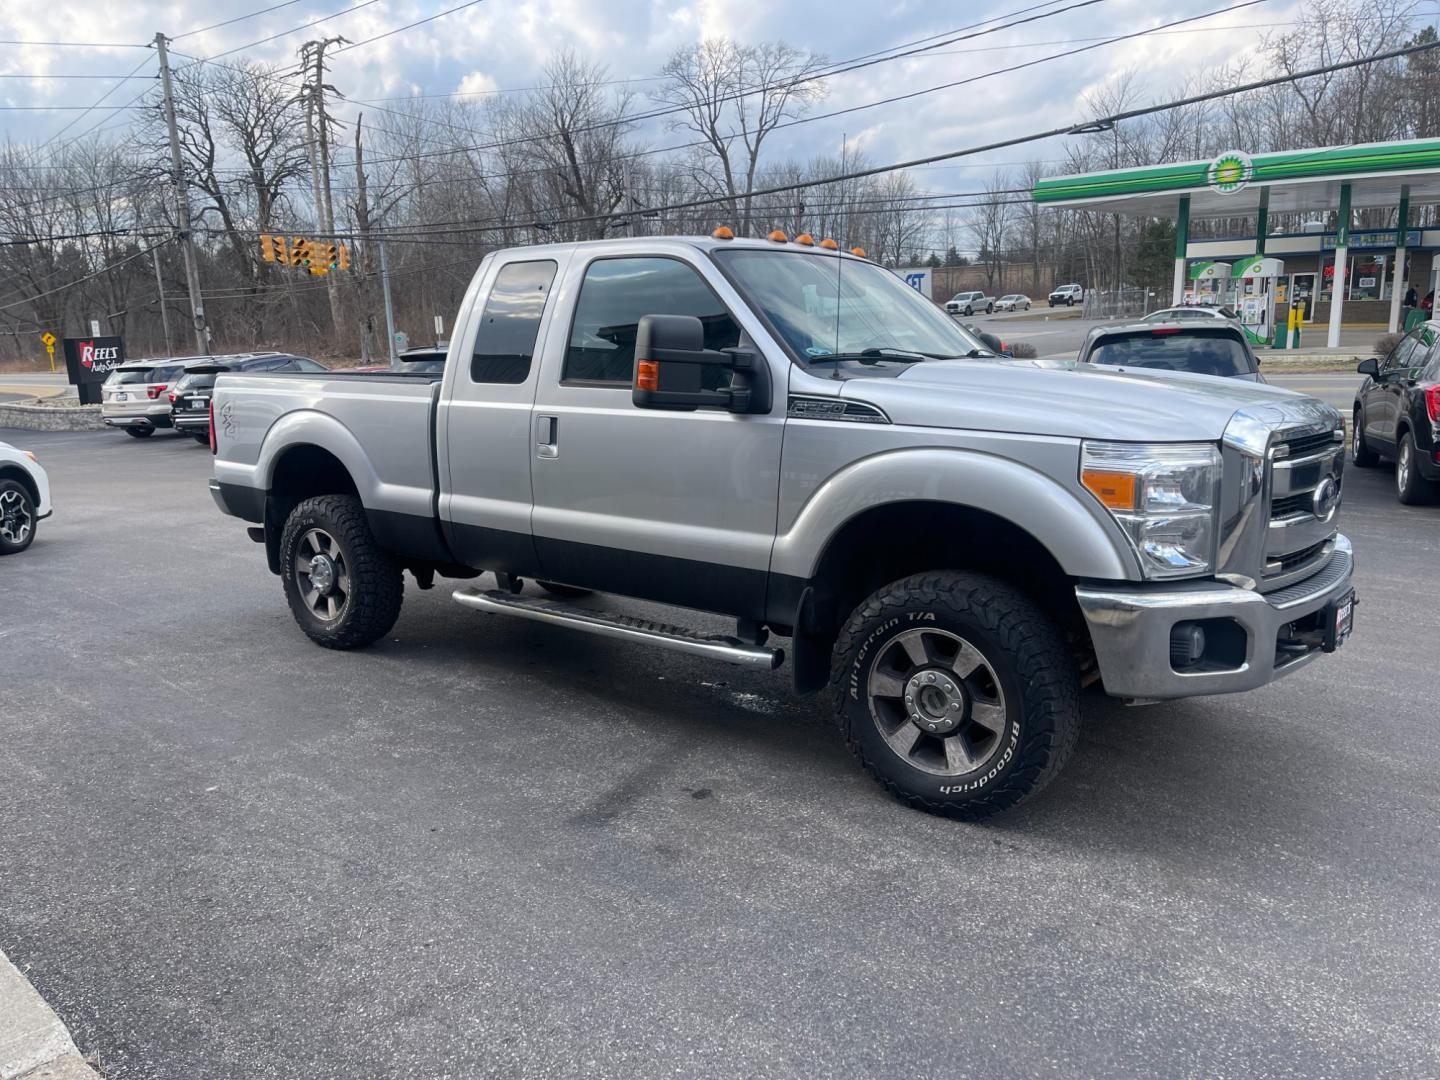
{"x":623,"y":627}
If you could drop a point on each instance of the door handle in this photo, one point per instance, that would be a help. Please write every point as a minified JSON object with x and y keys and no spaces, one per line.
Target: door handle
{"x":547,"y":436}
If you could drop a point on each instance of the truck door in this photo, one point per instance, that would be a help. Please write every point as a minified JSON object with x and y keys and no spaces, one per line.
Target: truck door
{"x":484,"y":421}
{"x":677,"y":507}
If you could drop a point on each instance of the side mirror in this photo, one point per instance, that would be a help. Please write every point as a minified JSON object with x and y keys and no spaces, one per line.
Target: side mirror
{"x":1369,"y":367}
{"x":671,"y":362}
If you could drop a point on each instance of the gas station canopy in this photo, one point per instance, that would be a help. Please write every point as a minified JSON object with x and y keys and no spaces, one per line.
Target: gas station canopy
{"x":1297,"y":181}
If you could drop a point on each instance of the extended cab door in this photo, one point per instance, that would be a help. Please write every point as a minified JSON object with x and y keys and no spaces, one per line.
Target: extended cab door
{"x":672,"y":506}
{"x":483,"y":422}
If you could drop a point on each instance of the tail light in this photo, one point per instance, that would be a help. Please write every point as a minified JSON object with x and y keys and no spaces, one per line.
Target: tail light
{"x":172,"y":397}
{"x":1432,"y":403}
{"x":153,"y":392}
{"x":212,"y":426}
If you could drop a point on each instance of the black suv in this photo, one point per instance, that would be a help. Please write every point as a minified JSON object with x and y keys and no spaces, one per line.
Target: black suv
{"x":1397,"y":413}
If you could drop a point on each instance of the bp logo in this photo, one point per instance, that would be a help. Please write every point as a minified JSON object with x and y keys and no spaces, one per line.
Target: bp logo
{"x":1230,"y":172}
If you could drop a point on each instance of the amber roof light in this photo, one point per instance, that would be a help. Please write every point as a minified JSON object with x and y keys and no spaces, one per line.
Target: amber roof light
{"x":724,"y":232}
{"x":859,"y":252}
{"x":806,"y":239}
{"x":778,"y":235}
{"x":829,"y":245}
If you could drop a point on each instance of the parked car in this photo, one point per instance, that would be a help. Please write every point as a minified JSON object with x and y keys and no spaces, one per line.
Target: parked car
{"x":429,"y":358}
{"x":190,"y":396}
{"x":24,"y":498}
{"x":1013,"y":302}
{"x":1397,"y":414}
{"x":1069,"y":295}
{"x":1188,"y":313}
{"x":685,"y":420}
{"x":967,"y":303}
{"x":1214,"y":347}
{"x":133,"y":396}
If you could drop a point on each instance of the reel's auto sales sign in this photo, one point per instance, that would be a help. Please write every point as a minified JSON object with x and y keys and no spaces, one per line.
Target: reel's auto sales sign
{"x":90,"y":360}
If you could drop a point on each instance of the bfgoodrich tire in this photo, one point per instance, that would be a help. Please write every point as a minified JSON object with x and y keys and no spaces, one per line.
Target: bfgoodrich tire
{"x":956,"y":693}
{"x":343,"y":588}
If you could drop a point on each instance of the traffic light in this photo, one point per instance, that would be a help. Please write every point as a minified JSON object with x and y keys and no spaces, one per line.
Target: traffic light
{"x":329,"y":257}
{"x":344,"y":263}
{"x":282,"y":256}
{"x":300,"y":251}
{"x":267,"y":247}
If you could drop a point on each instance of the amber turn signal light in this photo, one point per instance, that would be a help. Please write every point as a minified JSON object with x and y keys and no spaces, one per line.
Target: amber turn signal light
{"x":647,"y":375}
{"x":1115,"y":489}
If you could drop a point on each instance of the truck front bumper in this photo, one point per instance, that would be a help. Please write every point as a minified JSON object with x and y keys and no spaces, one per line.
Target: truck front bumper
{"x":1252,"y":638}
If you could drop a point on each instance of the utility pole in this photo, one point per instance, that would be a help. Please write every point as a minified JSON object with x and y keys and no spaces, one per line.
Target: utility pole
{"x":182,"y":205}
{"x":160,"y":293}
{"x":389,"y":311}
{"x":317,"y":129}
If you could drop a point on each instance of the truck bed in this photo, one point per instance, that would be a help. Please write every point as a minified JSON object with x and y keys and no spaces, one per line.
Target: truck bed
{"x":380,"y":425}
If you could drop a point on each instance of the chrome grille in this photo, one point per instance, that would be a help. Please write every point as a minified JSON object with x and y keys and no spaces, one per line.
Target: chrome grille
{"x":1290,"y":505}
{"x":1298,"y":540}
{"x":1303,"y":445}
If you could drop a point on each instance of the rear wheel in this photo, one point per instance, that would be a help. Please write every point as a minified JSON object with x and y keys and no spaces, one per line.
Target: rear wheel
{"x":1365,"y":458}
{"x":968,"y":311}
{"x":17,"y":517}
{"x":343,"y":588}
{"x":1411,"y":488}
{"x":140,"y":432}
{"x":956,"y":693}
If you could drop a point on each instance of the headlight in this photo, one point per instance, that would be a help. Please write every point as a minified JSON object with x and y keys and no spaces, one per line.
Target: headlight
{"x":1163,"y":495}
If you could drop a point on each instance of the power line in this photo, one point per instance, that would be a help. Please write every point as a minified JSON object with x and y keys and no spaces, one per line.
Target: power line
{"x":238,"y":18}
{"x":282,"y":33}
{"x":410,"y":26}
{"x":88,"y":277}
{"x":77,"y":44}
{"x":133,"y":74}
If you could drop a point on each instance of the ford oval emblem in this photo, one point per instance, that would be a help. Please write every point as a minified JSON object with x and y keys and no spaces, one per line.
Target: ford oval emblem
{"x":1326,"y":498}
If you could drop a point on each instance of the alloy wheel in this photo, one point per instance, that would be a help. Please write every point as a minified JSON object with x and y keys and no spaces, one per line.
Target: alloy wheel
{"x":16,"y":521}
{"x":1403,"y":465}
{"x":322,"y":575}
{"x":937,"y":702}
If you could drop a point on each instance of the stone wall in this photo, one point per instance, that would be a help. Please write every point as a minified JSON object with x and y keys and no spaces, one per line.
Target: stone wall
{"x":30,"y":417}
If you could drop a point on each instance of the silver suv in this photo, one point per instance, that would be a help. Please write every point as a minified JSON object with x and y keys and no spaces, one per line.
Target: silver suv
{"x":134,"y":395}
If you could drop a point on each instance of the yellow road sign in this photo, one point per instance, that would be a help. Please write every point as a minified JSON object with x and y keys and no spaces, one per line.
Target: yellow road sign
{"x":49,"y":340}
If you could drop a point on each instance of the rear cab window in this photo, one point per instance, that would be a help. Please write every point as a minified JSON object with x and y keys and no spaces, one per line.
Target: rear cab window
{"x":1200,"y":351}
{"x":510,"y":323}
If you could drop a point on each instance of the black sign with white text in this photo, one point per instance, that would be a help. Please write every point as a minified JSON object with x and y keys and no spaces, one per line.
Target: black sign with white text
{"x":89,"y":360}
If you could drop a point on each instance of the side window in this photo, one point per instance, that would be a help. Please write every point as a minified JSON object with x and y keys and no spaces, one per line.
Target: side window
{"x":510,"y":323}
{"x":1400,"y":356}
{"x":617,"y":294}
{"x":309,"y":366}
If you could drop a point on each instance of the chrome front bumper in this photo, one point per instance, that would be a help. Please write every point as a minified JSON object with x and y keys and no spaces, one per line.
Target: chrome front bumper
{"x":1130,"y":627}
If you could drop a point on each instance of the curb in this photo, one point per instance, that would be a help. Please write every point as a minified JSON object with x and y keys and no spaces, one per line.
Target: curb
{"x":34,"y":1042}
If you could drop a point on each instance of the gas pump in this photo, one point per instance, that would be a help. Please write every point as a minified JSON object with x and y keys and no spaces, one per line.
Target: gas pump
{"x":1256,"y":280}
{"x":1211,"y":283}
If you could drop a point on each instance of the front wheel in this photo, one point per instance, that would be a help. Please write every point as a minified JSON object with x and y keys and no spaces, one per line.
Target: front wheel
{"x":343,"y":588}
{"x":17,"y":517}
{"x":1364,"y":457}
{"x":1411,"y":488}
{"x":968,"y":311}
{"x":956,"y":693}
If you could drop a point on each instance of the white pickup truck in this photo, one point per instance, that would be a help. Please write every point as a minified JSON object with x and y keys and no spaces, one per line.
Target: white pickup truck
{"x":791,"y":437}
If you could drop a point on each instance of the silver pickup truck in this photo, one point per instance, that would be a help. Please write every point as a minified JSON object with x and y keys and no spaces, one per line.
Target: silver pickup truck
{"x":789,"y":436}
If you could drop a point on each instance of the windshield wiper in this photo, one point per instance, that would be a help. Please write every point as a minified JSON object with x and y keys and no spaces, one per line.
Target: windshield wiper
{"x":875,"y":355}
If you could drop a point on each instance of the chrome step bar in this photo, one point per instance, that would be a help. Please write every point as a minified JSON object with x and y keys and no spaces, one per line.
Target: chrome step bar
{"x":621,"y":627}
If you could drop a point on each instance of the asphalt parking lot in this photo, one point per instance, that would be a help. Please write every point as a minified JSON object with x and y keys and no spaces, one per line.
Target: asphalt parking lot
{"x":491,"y":848}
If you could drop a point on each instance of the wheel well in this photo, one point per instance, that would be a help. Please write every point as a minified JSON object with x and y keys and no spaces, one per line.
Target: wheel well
{"x":890,"y":542}
{"x":25,"y":480}
{"x":301,"y":473}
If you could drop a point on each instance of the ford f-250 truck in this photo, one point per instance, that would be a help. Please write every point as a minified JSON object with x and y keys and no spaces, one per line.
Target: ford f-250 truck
{"x":789,"y":436}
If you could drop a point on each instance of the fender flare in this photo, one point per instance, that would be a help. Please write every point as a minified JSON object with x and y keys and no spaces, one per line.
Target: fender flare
{"x":1082,"y":541}
{"x":308,"y":427}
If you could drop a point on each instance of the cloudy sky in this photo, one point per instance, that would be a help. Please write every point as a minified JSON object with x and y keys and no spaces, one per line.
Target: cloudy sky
{"x":501,"y":44}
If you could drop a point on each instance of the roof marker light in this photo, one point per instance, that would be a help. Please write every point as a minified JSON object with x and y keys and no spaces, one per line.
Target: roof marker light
{"x":724,"y":232}
{"x":806,"y":239}
{"x":829,"y":245}
{"x":778,"y":235}
{"x":858,"y":252}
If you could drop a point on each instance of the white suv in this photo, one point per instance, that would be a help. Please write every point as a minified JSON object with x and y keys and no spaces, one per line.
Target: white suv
{"x":24,"y":498}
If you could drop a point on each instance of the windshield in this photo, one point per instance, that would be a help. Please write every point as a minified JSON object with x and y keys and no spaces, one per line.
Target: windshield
{"x":825,"y":307}
{"x":1204,"y":352}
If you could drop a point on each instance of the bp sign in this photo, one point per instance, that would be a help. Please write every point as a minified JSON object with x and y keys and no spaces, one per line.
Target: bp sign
{"x":1230,"y":172}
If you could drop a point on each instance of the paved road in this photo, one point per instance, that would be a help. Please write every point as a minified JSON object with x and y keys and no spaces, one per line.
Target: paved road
{"x":487,"y":848}
{"x":1062,"y":336}
{"x":1333,"y":388}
